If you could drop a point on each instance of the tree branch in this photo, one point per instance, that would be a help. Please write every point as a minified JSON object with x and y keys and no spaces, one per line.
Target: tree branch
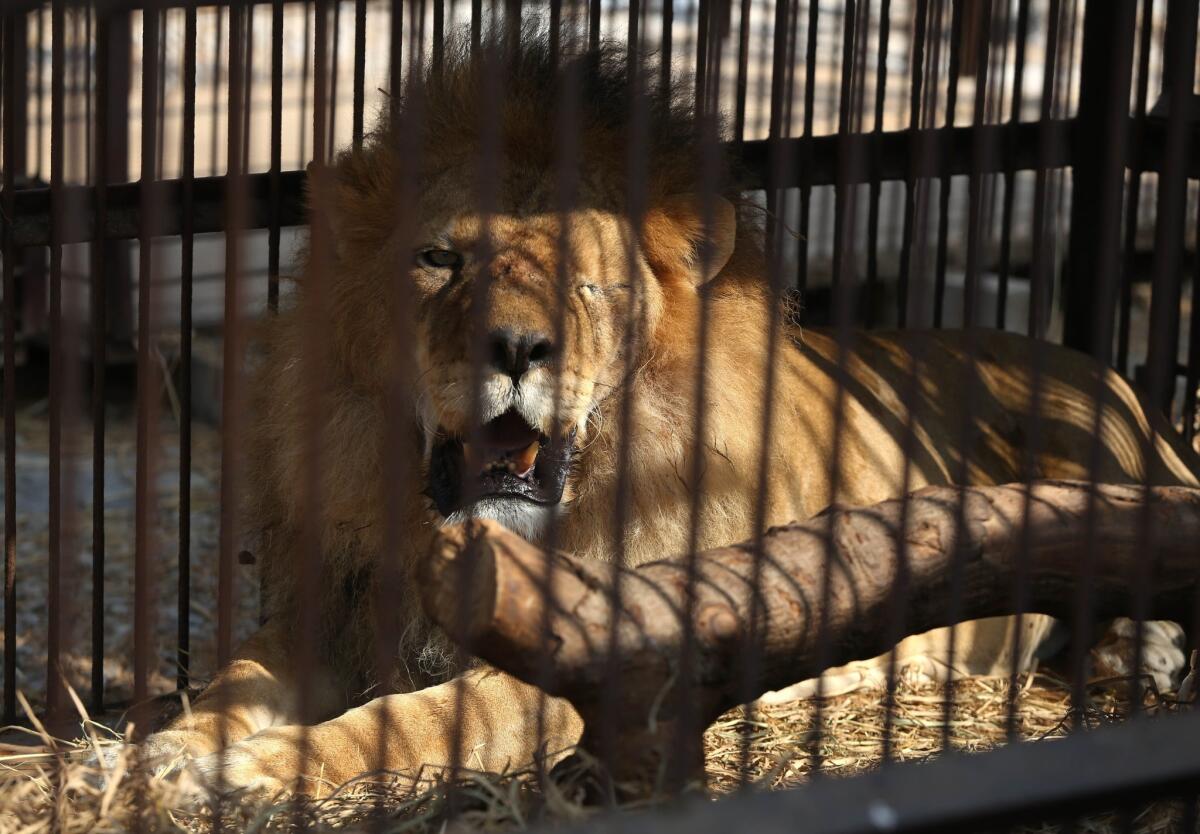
{"x":684,"y":640}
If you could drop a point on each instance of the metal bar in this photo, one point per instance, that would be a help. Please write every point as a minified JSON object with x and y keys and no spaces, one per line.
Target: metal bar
{"x":187,"y":246}
{"x":54,"y":618}
{"x":1099,"y":159}
{"x":360,"y":62}
{"x":1179,"y":62}
{"x":14,"y":31}
{"x":897,"y":152}
{"x":943,"y":232}
{"x":1134,"y":192}
{"x":1192,"y":377}
{"x":1085,"y":772}
{"x":1010,"y":179}
{"x":275,"y":193}
{"x":885,"y":9}
{"x":101,"y":263}
{"x":147,"y":376}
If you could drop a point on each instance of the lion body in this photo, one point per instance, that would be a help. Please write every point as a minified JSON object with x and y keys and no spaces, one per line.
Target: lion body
{"x":341,"y":462}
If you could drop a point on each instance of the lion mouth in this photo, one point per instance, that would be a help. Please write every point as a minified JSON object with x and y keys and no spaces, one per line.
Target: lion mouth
{"x":506,"y":458}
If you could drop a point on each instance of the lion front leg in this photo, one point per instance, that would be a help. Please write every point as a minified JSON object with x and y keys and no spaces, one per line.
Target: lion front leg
{"x":493,"y":716}
{"x":254,"y":692}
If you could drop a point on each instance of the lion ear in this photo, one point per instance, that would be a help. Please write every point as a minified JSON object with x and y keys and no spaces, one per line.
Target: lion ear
{"x":344,"y":201}
{"x":692,"y":232}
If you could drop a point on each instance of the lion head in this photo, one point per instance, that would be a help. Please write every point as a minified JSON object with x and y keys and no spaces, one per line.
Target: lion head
{"x":526,"y":316}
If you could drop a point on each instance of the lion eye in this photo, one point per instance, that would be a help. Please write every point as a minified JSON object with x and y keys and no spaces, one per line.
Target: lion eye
{"x":439,"y":259}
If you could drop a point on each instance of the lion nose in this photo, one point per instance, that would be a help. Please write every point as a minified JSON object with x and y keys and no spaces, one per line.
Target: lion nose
{"x":515,"y":353}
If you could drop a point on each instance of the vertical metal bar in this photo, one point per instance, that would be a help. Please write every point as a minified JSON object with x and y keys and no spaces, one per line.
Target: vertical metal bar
{"x":231,"y":402}
{"x":664,"y":49}
{"x":1193,"y":360}
{"x":187,"y":256}
{"x":215,"y":114}
{"x":248,"y":83}
{"x":743,"y":66}
{"x":780,"y":170}
{"x":304,"y":128}
{"x":39,"y":83}
{"x":14,"y":28}
{"x":593,"y":24}
{"x":943,"y":233}
{"x":1083,"y":615}
{"x":1098,"y":168}
{"x":1010,"y":177}
{"x":147,"y":377}
{"x":331,"y":141}
{"x":54,"y":691}
{"x":276,"y":197}
{"x":850,"y":163}
{"x":810,"y":92}
{"x":1171,"y":212}
{"x":982,"y":151}
{"x":360,"y":60}
{"x":396,"y":50}
{"x":911,"y":184}
{"x":885,"y":8}
{"x":1179,"y":66}
{"x":99,"y":324}
{"x":1134,"y":193}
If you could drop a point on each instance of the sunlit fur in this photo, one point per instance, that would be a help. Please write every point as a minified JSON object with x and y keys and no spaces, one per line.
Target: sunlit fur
{"x":624,"y":302}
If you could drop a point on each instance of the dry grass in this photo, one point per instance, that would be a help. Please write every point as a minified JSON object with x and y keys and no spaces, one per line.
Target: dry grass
{"x":49,"y":785}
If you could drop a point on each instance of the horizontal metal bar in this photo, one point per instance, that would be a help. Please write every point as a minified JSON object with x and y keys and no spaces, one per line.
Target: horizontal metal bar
{"x":901,"y":154}
{"x":1089,"y":772}
{"x":31,"y":224}
{"x":109,"y":6}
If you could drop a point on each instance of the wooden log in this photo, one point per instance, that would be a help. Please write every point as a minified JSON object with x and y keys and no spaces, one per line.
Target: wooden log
{"x":651,"y":655}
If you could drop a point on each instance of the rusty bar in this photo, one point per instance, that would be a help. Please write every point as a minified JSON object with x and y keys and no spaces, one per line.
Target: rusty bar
{"x":304,"y":127}
{"x":396,"y":51}
{"x":807,"y":150}
{"x":1098,"y":168}
{"x":687,"y":750}
{"x":885,"y":9}
{"x":780,"y":162}
{"x":14,"y":29}
{"x":54,"y":619}
{"x":664,"y":47}
{"x":1010,"y":180}
{"x":911,"y":184}
{"x":1134,"y":192}
{"x":215,"y":114}
{"x":99,"y":325}
{"x":147,"y":376}
{"x":1083,"y":620}
{"x":331,"y":119}
{"x":39,"y":86}
{"x":232,"y":402}
{"x":743,"y":66}
{"x":943,"y":232}
{"x":1192,"y":377}
{"x":275,"y":195}
{"x":853,"y":64}
{"x":900,"y":155}
{"x":1179,"y":67}
{"x":187,"y":252}
{"x":1166,"y":297}
{"x":360,"y":62}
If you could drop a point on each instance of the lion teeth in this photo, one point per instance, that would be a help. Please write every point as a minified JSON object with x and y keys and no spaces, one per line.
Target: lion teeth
{"x":525,"y":459}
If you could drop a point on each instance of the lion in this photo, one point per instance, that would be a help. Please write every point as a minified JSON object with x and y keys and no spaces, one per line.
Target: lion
{"x":549,"y":378}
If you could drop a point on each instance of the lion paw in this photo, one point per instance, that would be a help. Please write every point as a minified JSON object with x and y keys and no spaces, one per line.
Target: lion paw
{"x":1162,"y":652}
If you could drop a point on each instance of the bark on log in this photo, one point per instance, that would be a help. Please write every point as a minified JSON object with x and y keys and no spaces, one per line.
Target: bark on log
{"x":681,"y":652}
